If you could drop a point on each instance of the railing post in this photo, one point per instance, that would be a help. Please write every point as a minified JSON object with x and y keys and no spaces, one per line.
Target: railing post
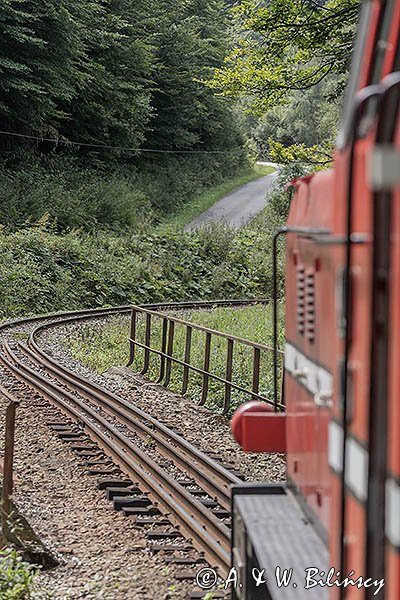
{"x":147,"y":336}
{"x":278,"y":232}
{"x":228,"y":377}
{"x":256,"y":371}
{"x":188,"y":345}
{"x":132,"y":339}
{"x":170,"y":350}
{"x":163,"y":349}
{"x":7,"y":487}
{"x":206,"y":368}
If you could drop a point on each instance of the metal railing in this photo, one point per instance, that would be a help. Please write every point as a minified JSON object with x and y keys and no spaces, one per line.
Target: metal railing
{"x":7,"y":534}
{"x":166,"y":351}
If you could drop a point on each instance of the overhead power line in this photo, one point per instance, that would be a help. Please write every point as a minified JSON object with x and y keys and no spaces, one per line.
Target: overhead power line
{"x":106,"y":147}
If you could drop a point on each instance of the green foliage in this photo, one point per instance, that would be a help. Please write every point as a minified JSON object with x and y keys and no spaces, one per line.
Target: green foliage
{"x":75,"y":196}
{"x":43,"y":271}
{"x":299,"y":153}
{"x":190,"y":43}
{"x":264,"y":67}
{"x":40,"y":50}
{"x":288,"y":66}
{"x":111,"y":103}
{"x":71,"y":196}
{"x":16,"y":577}
{"x":116,"y":72}
{"x":309,"y":120}
{"x":76,"y":69}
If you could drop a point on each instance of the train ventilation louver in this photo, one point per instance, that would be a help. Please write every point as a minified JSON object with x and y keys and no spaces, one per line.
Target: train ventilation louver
{"x":310,"y":306}
{"x":300,"y":299}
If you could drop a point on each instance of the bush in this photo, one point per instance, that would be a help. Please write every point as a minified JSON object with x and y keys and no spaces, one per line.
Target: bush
{"x":44,"y":271}
{"x":120,"y":197}
{"x":16,"y":577}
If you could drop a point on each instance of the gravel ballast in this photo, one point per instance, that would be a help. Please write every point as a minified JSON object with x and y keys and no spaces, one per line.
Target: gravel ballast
{"x":102,"y":554}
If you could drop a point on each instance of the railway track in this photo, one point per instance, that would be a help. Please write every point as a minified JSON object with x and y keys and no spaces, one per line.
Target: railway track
{"x":163,"y":479}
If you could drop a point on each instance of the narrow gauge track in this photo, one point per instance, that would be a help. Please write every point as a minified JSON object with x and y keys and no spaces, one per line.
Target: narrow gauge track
{"x":109,"y":420}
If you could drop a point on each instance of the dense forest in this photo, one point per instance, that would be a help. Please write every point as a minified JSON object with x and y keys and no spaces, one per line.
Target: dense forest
{"x":115,"y":114}
{"x":117,"y":73}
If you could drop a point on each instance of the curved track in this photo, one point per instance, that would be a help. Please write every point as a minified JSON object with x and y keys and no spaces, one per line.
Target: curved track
{"x":121,"y":430}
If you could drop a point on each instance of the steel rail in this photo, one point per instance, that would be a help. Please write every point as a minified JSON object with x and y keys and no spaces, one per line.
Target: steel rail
{"x":207,"y":533}
{"x":94,"y":313}
{"x":137,"y":412}
{"x":212,"y":477}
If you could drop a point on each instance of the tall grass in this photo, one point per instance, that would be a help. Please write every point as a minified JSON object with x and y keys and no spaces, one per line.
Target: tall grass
{"x":132,"y":195}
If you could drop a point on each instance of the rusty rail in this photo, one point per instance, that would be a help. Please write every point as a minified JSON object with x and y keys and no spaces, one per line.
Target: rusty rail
{"x":68,"y":391}
{"x":167,"y":357}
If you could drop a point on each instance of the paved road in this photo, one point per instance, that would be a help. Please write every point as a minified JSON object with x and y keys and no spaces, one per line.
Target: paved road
{"x":239,"y":207}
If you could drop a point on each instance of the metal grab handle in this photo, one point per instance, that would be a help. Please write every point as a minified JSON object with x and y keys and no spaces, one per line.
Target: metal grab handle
{"x":323,"y":399}
{"x":300,"y":373}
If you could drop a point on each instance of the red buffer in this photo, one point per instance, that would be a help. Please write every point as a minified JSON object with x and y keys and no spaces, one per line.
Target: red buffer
{"x":257,"y":428}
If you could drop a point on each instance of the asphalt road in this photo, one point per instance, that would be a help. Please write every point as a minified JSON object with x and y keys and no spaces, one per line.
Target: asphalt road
{"x":239,"y":207}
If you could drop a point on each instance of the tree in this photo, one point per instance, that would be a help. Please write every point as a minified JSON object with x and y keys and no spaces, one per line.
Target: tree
{"x":114,"y":72}
{"x":191,"y":42}
{"x":308,"y":120}
{"x":286,"y":46}
{"x":40,"y":54}
{"x":112,"y":100}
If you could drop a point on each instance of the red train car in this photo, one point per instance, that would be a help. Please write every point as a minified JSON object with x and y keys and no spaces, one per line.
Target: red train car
{"x":333,"y":530}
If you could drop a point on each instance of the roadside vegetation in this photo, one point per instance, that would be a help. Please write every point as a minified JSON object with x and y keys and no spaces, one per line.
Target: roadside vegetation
{"x":43,"y":271}
{"x":121,"y":199}
{"x":192,"y":209}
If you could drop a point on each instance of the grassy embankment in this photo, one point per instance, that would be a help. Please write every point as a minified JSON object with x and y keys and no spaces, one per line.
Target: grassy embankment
{"x":44,"y":269}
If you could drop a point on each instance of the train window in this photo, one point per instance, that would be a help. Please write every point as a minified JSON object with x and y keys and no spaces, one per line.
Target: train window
{"x":355,"y":74}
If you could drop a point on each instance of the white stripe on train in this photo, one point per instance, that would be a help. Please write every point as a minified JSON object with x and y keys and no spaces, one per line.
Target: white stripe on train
{"x":317,"y":379}
{"x":313,"y":377}
{"x":392,"y":525}
{"x":357,"y":478}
